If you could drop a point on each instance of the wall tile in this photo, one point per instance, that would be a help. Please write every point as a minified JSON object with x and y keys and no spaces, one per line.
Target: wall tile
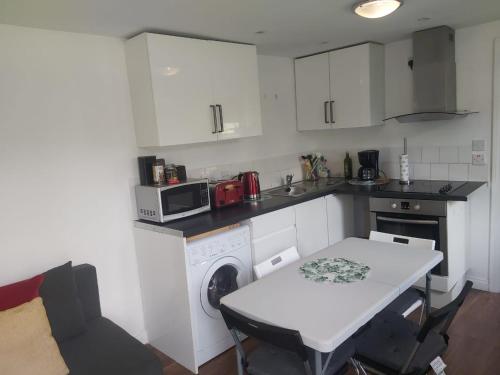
{"x":430,"y":154}
{"x":448,"y":154}
{"x":390,"y":169}
{"x":422,"y":171}
{"x":459,"y":172}
{"x":478,"y":173}
{"x":393,"y":153}
{"x":439,"y":172}
{"x":415,"y":154}
{"x":465,"y":154}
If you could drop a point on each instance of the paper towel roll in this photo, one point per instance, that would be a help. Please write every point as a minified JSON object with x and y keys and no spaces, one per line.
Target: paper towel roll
{"x":404,"y":169}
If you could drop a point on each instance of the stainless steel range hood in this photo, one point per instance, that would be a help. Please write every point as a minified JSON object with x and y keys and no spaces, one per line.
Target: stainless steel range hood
{"x":434,"y":77}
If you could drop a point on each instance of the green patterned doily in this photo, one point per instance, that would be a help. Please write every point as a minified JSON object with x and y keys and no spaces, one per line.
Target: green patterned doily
{"x":337,"y":270}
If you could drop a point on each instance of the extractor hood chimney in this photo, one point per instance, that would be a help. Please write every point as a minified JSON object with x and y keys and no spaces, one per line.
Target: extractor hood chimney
{"x":434,"y":77}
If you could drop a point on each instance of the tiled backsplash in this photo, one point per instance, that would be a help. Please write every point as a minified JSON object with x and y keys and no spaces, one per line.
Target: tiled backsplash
{"x":426,"y":162}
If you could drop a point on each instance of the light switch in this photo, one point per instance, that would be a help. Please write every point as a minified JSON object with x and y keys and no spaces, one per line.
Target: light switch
{"x":478,"y":145}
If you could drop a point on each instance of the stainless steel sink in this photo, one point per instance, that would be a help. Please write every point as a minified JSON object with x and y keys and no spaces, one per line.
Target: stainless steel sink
{"x":283,"y":191}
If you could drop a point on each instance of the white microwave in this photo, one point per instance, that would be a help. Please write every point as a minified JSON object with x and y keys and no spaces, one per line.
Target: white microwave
{"x":170,"y":202}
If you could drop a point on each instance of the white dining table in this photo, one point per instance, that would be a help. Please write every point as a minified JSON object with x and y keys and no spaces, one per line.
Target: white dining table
{"x":326,"y":314}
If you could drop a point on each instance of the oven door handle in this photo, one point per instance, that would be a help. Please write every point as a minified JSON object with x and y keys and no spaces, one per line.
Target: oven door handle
{"x":407,"y":221}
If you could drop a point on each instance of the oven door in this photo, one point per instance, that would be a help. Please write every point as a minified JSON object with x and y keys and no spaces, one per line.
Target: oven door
{"x":183,"y":200}
{"x":428,"y":227}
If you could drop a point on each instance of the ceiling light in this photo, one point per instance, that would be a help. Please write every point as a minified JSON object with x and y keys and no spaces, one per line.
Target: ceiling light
{"x":376,"y":8}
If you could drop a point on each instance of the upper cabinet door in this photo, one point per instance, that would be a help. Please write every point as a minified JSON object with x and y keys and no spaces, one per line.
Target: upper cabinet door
{"x":357,"y":86}
{"x":189,"y":90}
{"x":236,"y":91}
{"x":182,"y":89}
{"x":312,"y":84}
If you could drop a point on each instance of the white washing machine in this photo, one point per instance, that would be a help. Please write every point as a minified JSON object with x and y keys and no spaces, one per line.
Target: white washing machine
{"x":218,"y":265}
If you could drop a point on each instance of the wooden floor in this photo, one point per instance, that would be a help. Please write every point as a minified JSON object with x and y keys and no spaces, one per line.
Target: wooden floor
{"x":474,"y":343}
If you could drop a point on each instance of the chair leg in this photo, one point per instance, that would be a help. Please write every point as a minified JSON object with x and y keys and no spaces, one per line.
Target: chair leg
{"x":355,"y":365}
{"x":238,"y":363}
{"x":422,"y":309}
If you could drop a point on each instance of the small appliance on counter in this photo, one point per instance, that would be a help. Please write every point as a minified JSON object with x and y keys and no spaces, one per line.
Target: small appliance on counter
{"x":369,"y":165}
{"x":162,"y":203}
{"x":226,"y":193}
{"x":251,"y":185}
{"x":153,"y":171}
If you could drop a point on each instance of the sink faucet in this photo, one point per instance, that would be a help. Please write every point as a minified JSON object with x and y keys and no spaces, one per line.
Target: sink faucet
{"x":289,"y":178}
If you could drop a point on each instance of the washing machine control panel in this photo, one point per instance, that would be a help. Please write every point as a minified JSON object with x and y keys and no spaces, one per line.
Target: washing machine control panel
{"x":210,"y":248}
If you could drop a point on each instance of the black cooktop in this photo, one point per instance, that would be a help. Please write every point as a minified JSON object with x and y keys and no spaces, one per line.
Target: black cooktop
{"x":423,"y":187}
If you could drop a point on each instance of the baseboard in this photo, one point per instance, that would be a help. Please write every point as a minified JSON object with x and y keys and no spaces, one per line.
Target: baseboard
{"x":479,"y":283}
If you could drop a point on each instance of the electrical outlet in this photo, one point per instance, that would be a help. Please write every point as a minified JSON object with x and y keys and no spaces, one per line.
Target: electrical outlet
{"x":478,"y":158}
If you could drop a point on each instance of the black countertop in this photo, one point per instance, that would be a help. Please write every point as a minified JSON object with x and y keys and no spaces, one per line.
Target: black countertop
{"x":214,"y":219}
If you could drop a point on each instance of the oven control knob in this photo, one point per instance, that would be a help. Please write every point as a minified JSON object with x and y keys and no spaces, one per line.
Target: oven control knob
{"x":394,"y":205}
{"x":416,"y":207}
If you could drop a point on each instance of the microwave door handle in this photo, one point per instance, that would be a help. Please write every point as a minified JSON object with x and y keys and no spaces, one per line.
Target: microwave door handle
{"x":407,"y":221}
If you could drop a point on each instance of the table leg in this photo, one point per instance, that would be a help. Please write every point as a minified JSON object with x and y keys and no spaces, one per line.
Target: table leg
{"x":238,"y":363}
{"x":318,"y":368}
{"x":428,"y":279}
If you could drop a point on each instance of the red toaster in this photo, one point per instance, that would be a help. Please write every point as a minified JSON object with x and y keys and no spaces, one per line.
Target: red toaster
{"x":225,"y":193}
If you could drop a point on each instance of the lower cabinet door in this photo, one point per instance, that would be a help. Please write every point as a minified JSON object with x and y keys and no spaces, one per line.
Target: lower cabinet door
{"x":312,"y":226}
{"x":340,"y":217}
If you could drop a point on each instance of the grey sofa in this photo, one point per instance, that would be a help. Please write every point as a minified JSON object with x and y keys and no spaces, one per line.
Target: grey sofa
{"x":103,"y":348}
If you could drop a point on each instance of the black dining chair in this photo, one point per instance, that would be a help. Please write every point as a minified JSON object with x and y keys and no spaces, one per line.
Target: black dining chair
{"x":394,"y":345}
{"x":281,"y":351}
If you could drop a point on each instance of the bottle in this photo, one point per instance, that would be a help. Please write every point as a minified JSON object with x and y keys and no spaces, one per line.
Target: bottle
{"x":347,"y":167}
{"x":158,"y":171}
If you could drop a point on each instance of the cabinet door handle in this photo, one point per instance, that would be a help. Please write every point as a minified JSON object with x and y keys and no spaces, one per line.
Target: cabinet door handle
{"x":215,"y":118}
{"x":326,"y":113}
{"x":220,"y":118}
{"x":331,"y":111}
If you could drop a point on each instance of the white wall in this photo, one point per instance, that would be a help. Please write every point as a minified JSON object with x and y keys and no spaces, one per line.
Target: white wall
{"x":67,"y":156}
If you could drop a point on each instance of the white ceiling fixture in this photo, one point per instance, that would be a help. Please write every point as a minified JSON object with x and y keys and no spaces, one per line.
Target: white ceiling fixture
{"x":376,"y":8}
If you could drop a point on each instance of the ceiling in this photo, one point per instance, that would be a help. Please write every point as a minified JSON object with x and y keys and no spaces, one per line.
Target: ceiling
{"x":290,"y":27}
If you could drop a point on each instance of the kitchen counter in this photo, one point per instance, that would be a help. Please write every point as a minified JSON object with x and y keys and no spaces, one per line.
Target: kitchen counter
{"x":215,"y":219}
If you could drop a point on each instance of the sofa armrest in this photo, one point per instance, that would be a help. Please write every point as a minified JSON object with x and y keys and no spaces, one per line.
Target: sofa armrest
{"x":88,"y":290}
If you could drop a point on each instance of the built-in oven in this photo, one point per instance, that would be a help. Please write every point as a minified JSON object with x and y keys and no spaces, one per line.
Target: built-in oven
{"x":413,"y":218}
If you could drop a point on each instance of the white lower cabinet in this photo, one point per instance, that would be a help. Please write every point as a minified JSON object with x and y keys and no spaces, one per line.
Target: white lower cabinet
{"x":340,"y":213}
{"x":272,"y":233}
{"x":312,"y":226}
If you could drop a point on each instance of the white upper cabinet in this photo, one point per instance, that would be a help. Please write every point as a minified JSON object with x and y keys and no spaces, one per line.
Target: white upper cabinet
{"x":313,"y":92}
{"x":236,"y":89}
{"x":189,"y":90}
{"x":349,"y":92}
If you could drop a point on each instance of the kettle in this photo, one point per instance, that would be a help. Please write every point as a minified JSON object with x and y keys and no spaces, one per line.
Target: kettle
{"x":251,"y":185}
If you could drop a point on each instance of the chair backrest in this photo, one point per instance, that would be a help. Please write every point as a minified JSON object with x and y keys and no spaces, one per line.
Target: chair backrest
{"x":283,"y":338}
{"x":422,"y":243}
{"x":276,"y":262}
{"x":442,"y":318}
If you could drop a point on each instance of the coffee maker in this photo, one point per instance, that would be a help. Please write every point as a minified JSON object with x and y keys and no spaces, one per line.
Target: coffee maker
{"x":369,"y":165}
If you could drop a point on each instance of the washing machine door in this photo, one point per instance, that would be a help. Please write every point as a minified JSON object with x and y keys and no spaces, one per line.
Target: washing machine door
{"x":224,"y":276}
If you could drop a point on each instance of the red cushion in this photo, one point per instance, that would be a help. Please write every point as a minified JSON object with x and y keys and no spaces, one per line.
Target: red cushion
{"x":16,"y":294}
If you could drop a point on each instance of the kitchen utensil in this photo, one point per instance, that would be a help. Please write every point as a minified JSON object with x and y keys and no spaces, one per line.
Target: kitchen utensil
{"x":226,"y":193}
{"x":369,"y":165}
{"x":251,"y":185}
